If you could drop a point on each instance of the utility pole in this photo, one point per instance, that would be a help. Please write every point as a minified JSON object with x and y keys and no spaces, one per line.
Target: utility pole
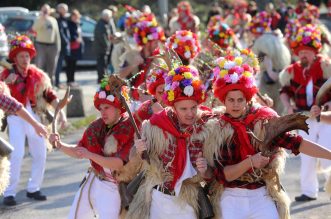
{"x":163,"y":9}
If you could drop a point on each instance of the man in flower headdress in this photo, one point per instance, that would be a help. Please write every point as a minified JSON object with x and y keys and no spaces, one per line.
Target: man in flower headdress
{"x":300,"y":84}
{"x":147,"y":34}
{"x":185,"y":20}
{"x":106,"y":143}
{"x":174,"y":140}
{"x":186,"y":44}
{"x":155,"y":87}
{"x":31,"y":87}
{"x":275,"y":56}
{"x":239,"y":19}
{"x":246,"y":170}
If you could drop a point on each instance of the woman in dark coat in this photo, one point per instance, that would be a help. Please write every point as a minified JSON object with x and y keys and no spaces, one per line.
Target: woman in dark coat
{"x":76,"y":46}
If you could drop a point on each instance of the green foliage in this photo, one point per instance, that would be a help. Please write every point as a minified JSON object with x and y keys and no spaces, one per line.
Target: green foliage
{"x":78,"y":123}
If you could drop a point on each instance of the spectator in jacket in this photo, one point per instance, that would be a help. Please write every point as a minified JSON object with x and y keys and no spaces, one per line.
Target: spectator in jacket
{"x":102,"y":42}
{"x":62,"y":21}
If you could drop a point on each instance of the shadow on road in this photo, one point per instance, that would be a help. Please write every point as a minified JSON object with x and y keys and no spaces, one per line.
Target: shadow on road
{"x":307,"y":207}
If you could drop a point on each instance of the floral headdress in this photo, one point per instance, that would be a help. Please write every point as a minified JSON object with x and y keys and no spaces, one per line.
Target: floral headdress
{"x":308,"y":37}
{"x":105,"y":96}
{"x":215,"y":20}
{"x":185,"y":43}
{"x":147,"y":29}
{"x":222,"y":34}
{"x":183,"y":83}
{"x":156,"y":78}
{"x":131,"y":19}
{"x":260,"y":23}
{"x":236,"y":71}
{"x":21,"y":43}
{"x":291,"y":29}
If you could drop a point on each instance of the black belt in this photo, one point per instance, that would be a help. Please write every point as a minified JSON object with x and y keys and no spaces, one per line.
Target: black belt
{"x":164,"y":190}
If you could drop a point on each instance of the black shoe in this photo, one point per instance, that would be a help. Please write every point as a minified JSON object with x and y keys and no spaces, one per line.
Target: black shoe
{"x":9,"y":201}
{"x":36,"y":195}
{"x":304,"y":198}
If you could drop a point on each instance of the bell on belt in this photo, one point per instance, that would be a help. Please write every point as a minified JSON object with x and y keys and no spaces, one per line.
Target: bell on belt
{"x":5,"y":148}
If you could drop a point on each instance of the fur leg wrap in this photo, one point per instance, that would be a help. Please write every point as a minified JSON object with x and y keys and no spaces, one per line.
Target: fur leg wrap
{"x":4,"y":173}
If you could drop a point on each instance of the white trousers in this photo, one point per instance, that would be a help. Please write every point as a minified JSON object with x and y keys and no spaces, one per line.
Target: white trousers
{"x":168,"y":207}
{"x":237,"y":203}
{"x":318,"y":133}
{"x":19,"y":129}
{"x":102,"y":195}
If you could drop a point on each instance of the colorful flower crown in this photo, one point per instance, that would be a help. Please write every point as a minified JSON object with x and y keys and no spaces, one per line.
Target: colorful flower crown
{"x":105,"y":96}
{"x":185,"y":43}
{"x":260,"y":23}
{"x":222,"y":34}
{"x":183,"y":83}
{"x":156,"y":78}
{"x":291,"y":29}
{"x":308,"y":36}
{"x":131,"y":19}
{"x":236,"y":71}
{"x":21,"y":43}
{"x":215,"y":20}
{"x":147,"y":29}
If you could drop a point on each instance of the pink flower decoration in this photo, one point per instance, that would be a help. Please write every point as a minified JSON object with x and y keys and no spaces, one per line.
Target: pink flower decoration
{"x":227,"y":78}
{"x":238,"y":69}
{"x":216,"y":71}
{"x":306,"y":40}
{"x":174,"y":85}
{"x":155,"y":35}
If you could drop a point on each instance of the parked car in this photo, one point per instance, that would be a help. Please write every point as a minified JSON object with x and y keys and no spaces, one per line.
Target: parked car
{"x":20,"y":25}
{"x":7,"y":12}
{"x":3,"y":43}
{"x":88,"y":25}
{"x":23,"y":25}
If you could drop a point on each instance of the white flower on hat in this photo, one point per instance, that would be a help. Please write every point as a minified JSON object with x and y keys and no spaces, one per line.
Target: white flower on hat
{"x":234,"y":78}
{"x":111,"y":98}
{"x":150,"y":36}
{"x":307,"y":33}
{"x":188,"y":90}
{"x":229,"y":64}
{"x":102,"y":95}
{"x":167,"y":87}
{"x":187,"y":54}
{"x":174,"y":46}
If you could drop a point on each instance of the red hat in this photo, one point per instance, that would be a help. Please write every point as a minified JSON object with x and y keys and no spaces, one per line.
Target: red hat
{"x":19,"y":44}
{"x":260,"y":23}
{"x":183,"y":83}
{"x":236,"y":72}
{"x":147,"y":29}
{"x":155,"y":79}
{"x":185,"y":43}
{"x":104,"y":96}
{"x":308,"y":37}
{"x":222,"y":34}
{"x":184,"y":6}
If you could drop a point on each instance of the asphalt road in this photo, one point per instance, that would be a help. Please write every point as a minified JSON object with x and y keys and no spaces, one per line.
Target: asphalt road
{"x":63,"y":175}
